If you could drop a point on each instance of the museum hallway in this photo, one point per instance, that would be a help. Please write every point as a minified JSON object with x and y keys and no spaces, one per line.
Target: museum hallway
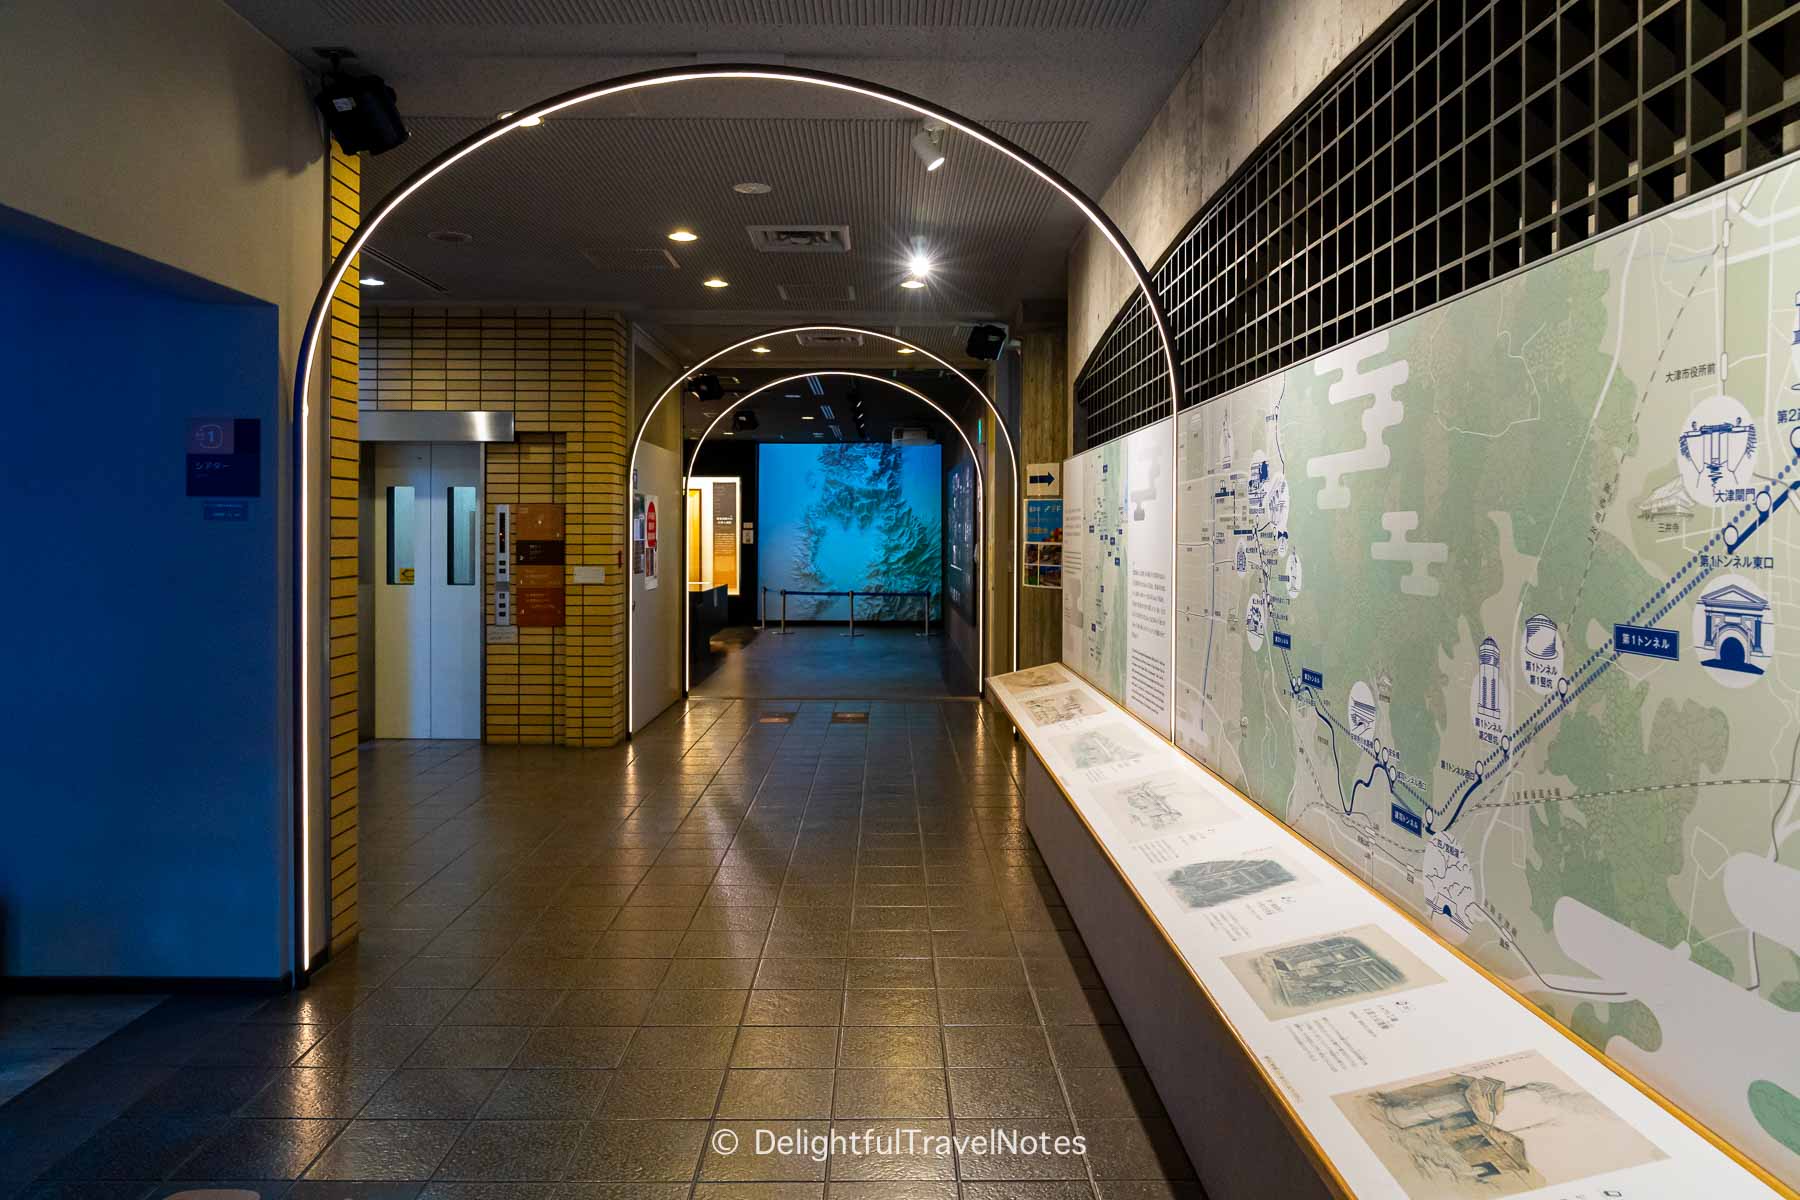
{"x":819,"y":662}
{"x":584,"y":965}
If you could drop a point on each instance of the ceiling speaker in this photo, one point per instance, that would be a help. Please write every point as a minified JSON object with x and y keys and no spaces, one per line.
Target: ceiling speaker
{"x":987,"y":341}
{"x":706,"y":387}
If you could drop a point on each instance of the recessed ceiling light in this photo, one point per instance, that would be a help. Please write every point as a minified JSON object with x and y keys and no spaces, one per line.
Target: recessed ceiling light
{"x":715,"y":282}
{"x":808,"y":417}
{"x":729,"y":432}
{"x":527,"y":123}
{"x":683,"y":235}
{"x":919,"y":266}
{"x":452,"y":237}
{"x":372,"y":281}
{"x":752,"y":188}
{"x":912,"y":283}
{"x":759,"y":350}
{"x":906,"y":350}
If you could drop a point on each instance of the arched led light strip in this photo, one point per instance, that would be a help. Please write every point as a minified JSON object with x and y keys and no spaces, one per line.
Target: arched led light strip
{"x":999,"y":423}
{"x":980,"y":491}
{"x":309,"y":347}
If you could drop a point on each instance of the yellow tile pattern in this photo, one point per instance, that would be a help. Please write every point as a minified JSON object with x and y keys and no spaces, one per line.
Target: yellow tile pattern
{"x":562,"y":373}
{"x":343,"y":209}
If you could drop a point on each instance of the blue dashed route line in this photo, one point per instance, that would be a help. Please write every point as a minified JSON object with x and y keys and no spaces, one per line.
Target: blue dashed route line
{"x":1733,"y":535}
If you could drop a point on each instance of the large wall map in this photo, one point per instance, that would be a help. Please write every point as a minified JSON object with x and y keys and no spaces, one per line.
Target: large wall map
{"x":1493,"y":606}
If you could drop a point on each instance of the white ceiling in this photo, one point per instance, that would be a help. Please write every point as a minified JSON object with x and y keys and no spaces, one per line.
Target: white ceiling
{"x":576,"y":211}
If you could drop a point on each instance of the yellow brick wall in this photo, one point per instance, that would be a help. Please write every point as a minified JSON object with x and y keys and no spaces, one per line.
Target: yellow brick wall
{"x":343,"y":211}
{"x":562,"y":373}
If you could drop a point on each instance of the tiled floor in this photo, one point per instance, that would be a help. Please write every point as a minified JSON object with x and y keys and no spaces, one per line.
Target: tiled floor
{"x":583,"y":970}
{"x":39,"y":1033}
{"x":817,"y":662}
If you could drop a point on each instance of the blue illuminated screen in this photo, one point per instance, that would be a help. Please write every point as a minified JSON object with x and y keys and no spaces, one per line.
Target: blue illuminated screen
{"x":862,"y":516}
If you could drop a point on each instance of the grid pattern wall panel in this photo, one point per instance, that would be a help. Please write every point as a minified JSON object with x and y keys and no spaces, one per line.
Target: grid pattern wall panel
{"x":1477,"y":137}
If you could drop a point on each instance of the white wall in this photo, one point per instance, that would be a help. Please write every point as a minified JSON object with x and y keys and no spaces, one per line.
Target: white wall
{"x":656,"y":613}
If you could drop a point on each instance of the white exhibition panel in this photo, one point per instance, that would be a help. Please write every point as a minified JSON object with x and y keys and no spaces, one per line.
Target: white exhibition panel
{"x":1414,"y":1074}
{"x":657,"y":599}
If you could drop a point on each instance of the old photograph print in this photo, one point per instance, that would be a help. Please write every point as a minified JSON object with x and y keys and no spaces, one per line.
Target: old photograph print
{"x":1324,"y":972}
{"x":1493,"y":1128}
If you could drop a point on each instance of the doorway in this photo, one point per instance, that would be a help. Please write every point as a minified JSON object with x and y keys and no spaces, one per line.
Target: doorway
{"x":423,"y":508}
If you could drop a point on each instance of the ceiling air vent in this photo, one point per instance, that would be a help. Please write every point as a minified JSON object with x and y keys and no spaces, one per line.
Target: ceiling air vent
{"x":816,"y":293}
{"x":800,"y":239}
{"x":624,"y":258}
{"x":827,"y":340}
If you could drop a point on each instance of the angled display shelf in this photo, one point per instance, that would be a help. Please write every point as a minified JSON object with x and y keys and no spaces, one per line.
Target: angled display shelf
{"x":1245,"y":961}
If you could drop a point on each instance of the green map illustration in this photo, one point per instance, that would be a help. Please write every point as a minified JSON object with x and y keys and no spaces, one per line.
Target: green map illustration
{"x":1492,"y":607}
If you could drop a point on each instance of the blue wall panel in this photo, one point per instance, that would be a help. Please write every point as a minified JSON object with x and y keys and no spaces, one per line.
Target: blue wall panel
{"x":144,"y":820}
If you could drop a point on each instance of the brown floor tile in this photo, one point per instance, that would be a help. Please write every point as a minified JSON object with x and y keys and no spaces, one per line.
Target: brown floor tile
{"x":696,"y":1006}
{"x":780,"y":1006}
{"x":776,"y":1094}
{"x":890,"y":1093}
{"x":891,"y":1006}
{"x":786,"y":1046}
{"x":680,"y":1047}
{"x":901,"y":1046}
{"x":903,"y":1157}
{"x":638,"y":1094}
{"x":638,"y":1151}
{"x":1005,"y":1092}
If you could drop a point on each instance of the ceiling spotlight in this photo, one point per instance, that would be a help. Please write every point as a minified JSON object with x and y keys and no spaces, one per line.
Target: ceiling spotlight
{"x":527,"y":123}
{"x":808,"y":417}
{"x":928,"y":144}
{"x":714,"y":282}
{"x":906,"y":350}
{"x":683,"y":235}
{"x":918,"y":265}
{"x":752,"y":188}
{"x":759,"y":350}
{"x":912,"y":283}
{"x":372,"y":281}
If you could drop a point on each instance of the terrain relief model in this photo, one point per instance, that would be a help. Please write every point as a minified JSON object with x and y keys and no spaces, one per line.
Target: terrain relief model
{"x":853,"y":516}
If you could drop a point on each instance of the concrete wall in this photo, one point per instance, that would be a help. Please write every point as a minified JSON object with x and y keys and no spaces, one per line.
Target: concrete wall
{"x":1256,"y":65}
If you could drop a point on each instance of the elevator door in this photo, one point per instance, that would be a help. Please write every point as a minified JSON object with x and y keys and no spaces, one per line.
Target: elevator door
{"x":428,"y":540}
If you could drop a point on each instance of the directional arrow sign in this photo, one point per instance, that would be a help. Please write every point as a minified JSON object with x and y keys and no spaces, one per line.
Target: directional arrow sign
{"x":1043,"y":479}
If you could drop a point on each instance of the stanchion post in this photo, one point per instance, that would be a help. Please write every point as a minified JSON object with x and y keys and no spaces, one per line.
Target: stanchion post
{"x":784,"y":610}
{"x":927,"y":597}
{"x":853,"y":612}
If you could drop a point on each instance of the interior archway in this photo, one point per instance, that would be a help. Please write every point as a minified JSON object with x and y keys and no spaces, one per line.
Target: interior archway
{"x":980,"y":492}
{"x":675,"y":386}
{"x":309,"y":730}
